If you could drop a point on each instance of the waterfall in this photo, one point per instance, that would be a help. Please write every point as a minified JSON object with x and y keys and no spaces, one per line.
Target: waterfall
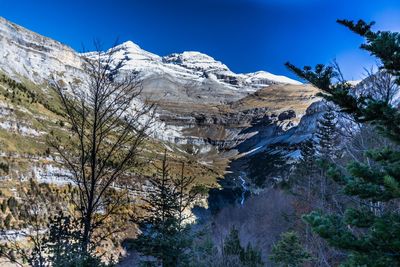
{"x":242,"y":177}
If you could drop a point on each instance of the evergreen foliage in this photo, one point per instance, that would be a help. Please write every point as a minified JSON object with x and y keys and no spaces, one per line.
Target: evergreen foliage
{"x":288,"y":252}
{"x":164,"y":234}
{"x":7,"y":221}
{"x":306,"y":165}
{"x":248,"y":257}
{"x":203,"y":251}
{"x":326,"y":135}
{"x":4,"y":167}
{"x":370,"y":231}
{"x":4,"y":206}
{"x":265,"y":165}
{"x":307,"y":152}
{"x":232,"y":243}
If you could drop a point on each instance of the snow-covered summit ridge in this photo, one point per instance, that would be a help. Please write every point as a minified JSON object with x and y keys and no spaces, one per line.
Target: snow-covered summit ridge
{"x":192,"y":60}
{"x":195,"y":61}
{"x":36,"y":57}
{"x":194,"y":66}
{"x":272,"y":77}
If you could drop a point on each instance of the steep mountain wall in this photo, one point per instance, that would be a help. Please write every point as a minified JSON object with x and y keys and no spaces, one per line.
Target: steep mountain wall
{"x":205,"y":111}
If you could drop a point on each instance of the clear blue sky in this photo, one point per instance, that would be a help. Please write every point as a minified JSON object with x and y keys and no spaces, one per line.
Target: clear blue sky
{"x":247,"y":35}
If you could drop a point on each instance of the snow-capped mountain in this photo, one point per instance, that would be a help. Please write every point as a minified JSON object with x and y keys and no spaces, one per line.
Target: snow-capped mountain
{"x":194,"y":66}
{"x":204,"y":107}
{"x":36,"y":57}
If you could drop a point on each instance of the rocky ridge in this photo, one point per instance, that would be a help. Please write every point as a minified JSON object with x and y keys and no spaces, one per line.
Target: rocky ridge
{"x":205,"y":109}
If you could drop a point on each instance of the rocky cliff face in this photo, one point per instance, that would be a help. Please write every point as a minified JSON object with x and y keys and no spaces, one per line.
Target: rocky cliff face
{"x":35,"y":57}
{"x":205,"y":109}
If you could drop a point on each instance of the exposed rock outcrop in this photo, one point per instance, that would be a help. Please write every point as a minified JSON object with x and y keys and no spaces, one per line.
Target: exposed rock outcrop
{"x":204,"y":108}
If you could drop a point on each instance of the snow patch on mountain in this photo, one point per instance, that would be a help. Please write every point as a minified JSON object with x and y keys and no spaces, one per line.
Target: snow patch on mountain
{"x":195,"y":61}
{"x":189,"y":67}
{"x":263,"y":75}
{"x":38,"y":58}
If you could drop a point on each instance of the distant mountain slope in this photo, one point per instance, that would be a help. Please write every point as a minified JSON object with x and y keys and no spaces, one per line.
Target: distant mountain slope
{"x":37,"y":57}
{"x":204,"y":107}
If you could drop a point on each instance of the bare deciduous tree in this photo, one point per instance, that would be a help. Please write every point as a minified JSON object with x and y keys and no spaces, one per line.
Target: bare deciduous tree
{"x":108,"y":125}
{"x":380,"y":85}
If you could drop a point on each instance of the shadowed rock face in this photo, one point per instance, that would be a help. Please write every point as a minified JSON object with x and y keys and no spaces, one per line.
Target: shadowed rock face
{"x":280,"y":105}
{"x":287,"y":115}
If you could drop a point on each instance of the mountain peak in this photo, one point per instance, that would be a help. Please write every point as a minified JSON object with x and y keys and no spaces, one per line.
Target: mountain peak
{"x":129,"y":45}
{"x":37,"y":57}
{"x":196,"y":61}
{"x":196,"y":55}
{"x":134,"y":54}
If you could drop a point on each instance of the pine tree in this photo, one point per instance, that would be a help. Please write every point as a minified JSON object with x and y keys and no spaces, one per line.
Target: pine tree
{"x":4,"y":206}
{"x":307,"y":152}
{"x":326,"y":135}
{"x":317,"y":152}
{"x":370,"y":232}
{"x":288,"y":252}
{"x":251,"y":257}
{"x":12,"y":205}
{"x":203,"y":251}
{"x":165,"y":235}
{"x":232,"y":243}
{"x":327,"y":150}
{"x":265,"y":165}
{"x":248,"y":257}
{"x":7,"y":221}
{"x":303,"y":176}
